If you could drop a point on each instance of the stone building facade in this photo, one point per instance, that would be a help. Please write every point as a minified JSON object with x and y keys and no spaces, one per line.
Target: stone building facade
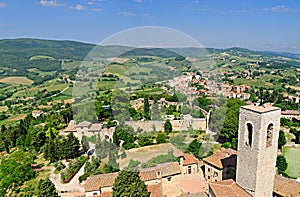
{"x":257,"y":148}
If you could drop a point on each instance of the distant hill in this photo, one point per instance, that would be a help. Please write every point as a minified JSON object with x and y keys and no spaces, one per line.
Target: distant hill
{"x":157,"y":52}
{"x":46,"y":55}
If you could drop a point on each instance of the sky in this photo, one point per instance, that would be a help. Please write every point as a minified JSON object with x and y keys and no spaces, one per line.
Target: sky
{"x":272,"y":25}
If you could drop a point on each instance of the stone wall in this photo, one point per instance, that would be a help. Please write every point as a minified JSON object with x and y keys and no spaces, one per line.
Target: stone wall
{"x":177,"y":125}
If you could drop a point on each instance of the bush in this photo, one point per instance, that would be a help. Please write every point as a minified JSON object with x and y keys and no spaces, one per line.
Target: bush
{"x":226,"y":145}
{"x":73,"y":168}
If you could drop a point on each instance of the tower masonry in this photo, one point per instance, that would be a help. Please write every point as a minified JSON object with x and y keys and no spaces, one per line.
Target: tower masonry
{"x":257,"y":148}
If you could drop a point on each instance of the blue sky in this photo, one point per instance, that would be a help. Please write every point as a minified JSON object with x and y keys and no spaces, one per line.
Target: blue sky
{"x":255,"y":24}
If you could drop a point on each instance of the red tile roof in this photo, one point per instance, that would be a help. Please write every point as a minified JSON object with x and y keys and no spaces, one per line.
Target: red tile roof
{"x":191,"y":186}
{"x":286,"y":187}
{"x":189,"y":159}
{"x":155,"y":190}
{"x":217,"y":158}
{"x":94,"y":183}
{"x":228,"y":188}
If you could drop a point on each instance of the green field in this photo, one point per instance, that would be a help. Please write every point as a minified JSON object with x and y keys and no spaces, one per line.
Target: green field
{"x":292,"y":156}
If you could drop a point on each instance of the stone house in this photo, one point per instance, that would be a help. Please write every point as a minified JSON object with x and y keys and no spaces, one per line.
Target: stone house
{"x":89,"y":129}
{"x":153,"y":177}
{"x":189,"y":164}
{"x":220,"y":165}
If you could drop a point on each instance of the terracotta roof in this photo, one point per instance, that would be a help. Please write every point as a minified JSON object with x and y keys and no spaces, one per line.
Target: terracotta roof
{"x":94,"y":183}
{"x":286,"y":187}
{"x":217,"y":159}
{"x":95,"y":127}
{"x":168,"y":169}
{"x":84,"y":124}
{"x":147,"y":175}
{"x":191,"y":186}
{"x":189,"y":159}
{"x":165,"y":169}
{"x":178,"y":153}
{"x":155,"y":190}
{"x":261,"y":109}
{"x":227,"y":188}
{"x":106,"y":194}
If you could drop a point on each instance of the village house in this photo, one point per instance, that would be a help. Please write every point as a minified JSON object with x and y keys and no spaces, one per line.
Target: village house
{"x":159,"y":178}
{"x":153,"y":177}
{"x":89,"y":129}
{"x":220,"y":166}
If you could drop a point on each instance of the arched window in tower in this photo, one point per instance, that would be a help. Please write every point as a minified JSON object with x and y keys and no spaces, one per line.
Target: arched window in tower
{"x":249,"y":134}
{"x":269,"y":135}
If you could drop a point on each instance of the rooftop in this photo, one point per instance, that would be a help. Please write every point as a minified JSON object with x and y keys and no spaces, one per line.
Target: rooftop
{"x":189,"y":159}
{"x":94,"y":183}
{"x":84,"y":124}
{"x":217,"y":159}
{"x":261,"y":108}
{"x":228,"y":188}
{"x":286,"y":187}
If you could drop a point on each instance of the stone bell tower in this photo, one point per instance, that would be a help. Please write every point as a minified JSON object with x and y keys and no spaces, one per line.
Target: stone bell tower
{"x":257,"y":148}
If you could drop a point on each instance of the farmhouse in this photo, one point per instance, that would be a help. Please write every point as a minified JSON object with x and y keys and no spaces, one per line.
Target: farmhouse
{"x":89,"y":129}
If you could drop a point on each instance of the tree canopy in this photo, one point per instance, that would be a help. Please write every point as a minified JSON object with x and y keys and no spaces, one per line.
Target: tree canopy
{"x":128,"y":183}
{"x":46,"y":188}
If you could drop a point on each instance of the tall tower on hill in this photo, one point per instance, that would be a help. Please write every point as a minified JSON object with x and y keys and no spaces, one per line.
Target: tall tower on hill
{"x":257,"y":148}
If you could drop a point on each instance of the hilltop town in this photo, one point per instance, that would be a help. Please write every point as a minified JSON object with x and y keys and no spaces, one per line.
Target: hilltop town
{"x":173,"y":125}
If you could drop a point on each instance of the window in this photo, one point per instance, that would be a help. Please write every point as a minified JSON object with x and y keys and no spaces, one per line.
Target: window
{"x":215,"y":174}
{"x":208,"y":177}
{"x":158,"y":173}
{"x":269,"y":135}
{"x":95,"y":194}
{"x":169,"y":178}
{"x":208,"y":169}
{"x":249,"y":134}
{"x":189,"y":169}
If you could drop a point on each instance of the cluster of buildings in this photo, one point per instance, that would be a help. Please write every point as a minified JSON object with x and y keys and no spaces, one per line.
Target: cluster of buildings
{"x":89,"y":129}
{"x":292,"y":98}
{"x":250,"y":171}
{"x":182,"y":84}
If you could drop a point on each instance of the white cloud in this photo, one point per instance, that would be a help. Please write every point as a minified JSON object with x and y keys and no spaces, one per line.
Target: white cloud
{"x":280,"y":8}
{"x":127,"y":13}
{"x":78,"y":7}
{"x":138,"y":1}
{"x":97,"y":10}
{"x":94,"y":2}
{"x":46,"y":3}
{"x":2,"y":5}
{"x":146,"y":15}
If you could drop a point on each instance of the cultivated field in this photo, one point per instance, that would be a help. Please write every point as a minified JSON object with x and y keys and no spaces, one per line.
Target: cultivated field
{"x":16,"y":80}
{"x":292,"y":156}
